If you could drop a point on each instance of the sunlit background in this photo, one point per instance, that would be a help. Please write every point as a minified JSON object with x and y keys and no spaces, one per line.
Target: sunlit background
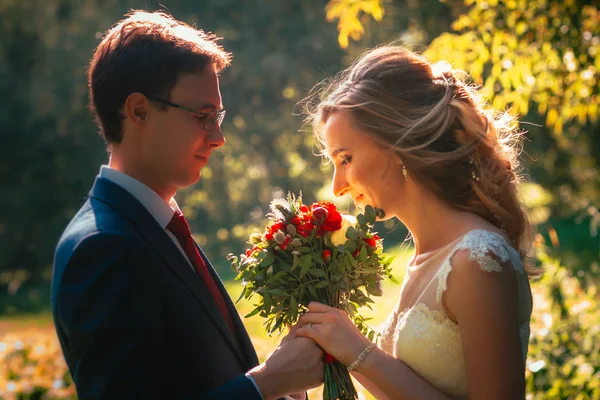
{"x":538,"y":58}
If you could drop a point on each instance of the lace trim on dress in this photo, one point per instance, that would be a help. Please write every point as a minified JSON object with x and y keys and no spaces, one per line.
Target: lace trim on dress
{"x":485,"y":248}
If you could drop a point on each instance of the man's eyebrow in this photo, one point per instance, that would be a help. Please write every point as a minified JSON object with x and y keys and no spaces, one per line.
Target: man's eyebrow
{"x":206,"y":106}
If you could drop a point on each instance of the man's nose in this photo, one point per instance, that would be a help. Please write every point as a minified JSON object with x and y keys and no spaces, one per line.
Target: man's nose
{"x":215,"y":137}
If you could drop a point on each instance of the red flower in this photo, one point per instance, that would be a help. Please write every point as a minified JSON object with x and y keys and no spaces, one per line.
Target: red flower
{"x":326,"y":217}
{"x":326,"y":255}
{"x":285,"y":243}
{"x":296,"y":220}
{"x":373,"y":242}
{"x":249,"y":252}
{"x":305,"y":229}
{"x":274,"y":228}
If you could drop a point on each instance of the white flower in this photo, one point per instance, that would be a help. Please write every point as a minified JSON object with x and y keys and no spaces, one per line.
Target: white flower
{"x":339,"y":237}
{"x":296,"y":253}
{"x":296,"y":242}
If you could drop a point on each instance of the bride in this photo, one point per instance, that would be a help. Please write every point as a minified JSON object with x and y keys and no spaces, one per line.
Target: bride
{"x":414,"y":140}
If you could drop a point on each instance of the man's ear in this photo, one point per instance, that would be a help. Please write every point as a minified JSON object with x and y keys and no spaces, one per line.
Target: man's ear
{"x":136,"y":109}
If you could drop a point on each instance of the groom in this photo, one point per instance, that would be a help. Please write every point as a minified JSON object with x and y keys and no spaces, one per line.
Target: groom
{"x":138,"y":308}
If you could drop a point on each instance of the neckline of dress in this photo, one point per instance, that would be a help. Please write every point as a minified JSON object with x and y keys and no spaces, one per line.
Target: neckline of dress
{"x":434,"y":255}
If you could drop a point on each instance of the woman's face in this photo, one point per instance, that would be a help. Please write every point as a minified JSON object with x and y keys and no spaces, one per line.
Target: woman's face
{"x":364,"y":170}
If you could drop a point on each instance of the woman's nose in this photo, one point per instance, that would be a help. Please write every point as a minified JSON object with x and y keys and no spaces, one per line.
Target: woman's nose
{"x":340,"y":184}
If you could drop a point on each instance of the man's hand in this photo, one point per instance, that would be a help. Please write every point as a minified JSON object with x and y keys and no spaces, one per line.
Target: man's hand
{"x":296,"y":365}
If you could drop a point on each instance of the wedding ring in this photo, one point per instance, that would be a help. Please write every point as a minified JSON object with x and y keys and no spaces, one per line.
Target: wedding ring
{"x":309,"y":325}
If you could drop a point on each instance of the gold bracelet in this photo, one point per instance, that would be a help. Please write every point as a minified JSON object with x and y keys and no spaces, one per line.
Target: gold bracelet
{"x":361,"y":357}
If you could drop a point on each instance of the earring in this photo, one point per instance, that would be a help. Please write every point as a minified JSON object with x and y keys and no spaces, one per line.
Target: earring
{"x":404,"y":171}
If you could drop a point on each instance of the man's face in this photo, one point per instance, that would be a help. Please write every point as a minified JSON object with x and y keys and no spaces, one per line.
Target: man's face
{"x":177,"y":146}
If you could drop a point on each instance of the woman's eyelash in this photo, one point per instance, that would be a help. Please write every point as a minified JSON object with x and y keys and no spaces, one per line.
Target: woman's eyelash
{"x":346,"y":160}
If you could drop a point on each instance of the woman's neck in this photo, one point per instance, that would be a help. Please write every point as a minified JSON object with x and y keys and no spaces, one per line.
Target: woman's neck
{"x":433,"y":224}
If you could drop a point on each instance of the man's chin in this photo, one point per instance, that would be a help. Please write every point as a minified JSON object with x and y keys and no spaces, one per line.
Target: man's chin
{"x":189,"y":180}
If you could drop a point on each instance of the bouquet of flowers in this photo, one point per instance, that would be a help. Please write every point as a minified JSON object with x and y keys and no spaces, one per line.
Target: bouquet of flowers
{"x":314,"y":254}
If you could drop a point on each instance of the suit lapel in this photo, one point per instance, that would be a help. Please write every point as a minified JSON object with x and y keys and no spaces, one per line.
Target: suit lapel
{"x":127,"y":206}
{"x":243,"y":338}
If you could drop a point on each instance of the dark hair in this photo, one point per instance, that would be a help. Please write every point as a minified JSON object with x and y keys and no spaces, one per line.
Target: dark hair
{"x":146,"y":53}
{"x":464,"y":153}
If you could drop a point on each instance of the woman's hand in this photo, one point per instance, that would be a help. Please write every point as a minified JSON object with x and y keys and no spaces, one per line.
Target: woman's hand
{"x":333,"y":330}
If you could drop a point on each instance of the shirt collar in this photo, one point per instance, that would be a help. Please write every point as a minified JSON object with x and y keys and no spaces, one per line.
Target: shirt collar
{"x":156,"y":206}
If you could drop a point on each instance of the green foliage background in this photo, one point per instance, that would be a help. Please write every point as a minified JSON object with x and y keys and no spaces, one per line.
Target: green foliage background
{"x":539,"y":58}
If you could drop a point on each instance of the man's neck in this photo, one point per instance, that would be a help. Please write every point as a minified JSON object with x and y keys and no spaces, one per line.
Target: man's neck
{"x":145,"y":176}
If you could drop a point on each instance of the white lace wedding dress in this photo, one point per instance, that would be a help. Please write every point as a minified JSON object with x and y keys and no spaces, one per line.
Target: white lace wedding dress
{"x":421,"y":334}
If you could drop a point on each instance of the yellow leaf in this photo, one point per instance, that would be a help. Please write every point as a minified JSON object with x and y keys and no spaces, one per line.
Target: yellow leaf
{"x":343,"y":39}
{"x":558,"y":125}
{"x":551,"y":117}
{"x":581,"y":115}
{"x":377,"y":11}
{"x":521,"y":28}
{"x":462,"y":22}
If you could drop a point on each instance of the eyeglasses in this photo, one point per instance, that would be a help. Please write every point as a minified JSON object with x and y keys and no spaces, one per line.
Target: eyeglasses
{"x":209,"y":120}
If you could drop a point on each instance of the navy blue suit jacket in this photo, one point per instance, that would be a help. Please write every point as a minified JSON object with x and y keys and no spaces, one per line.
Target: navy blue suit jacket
{"x":133,"y":319}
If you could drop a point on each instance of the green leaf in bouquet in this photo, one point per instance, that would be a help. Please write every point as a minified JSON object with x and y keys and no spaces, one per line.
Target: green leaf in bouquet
{"x":313,"y":292}
{"x":278,"y":322}
{"x":267,"y":302}
{"x":322,"y":284}
{"x":361,"y":219}
{"x":351,"y":233}
{"x":278,"y":292}
{"x":351,"y":309}
{"x":302,"y":292}
{"x":336,"y":277}
{"x":293,"y":307}
{"x":295,"y":262}
{"x":268,"y":260}
{"x":328,"y":242}
{"x":253,"y":312}
{"x":351,"y":260}
{"x":362,"y":256}
{"x":306,"y":264}
{"x":241,"y":295}
{"x":343,"y":284}
{"x":285,"y":266}
{"x":319,"y":273}
{"x":374,"y":290}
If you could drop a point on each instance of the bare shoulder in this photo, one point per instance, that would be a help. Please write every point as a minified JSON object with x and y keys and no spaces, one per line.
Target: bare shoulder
{"x":480,"y":280}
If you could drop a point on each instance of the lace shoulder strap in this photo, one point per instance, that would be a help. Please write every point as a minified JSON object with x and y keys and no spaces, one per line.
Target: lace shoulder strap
{"x":488,"y":249}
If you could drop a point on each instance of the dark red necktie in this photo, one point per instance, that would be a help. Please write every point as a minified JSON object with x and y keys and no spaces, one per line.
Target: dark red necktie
{"x":179,"y":227}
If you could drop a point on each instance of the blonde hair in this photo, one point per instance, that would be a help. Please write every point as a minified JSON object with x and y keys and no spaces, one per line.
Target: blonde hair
{"x":464,"y":153}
